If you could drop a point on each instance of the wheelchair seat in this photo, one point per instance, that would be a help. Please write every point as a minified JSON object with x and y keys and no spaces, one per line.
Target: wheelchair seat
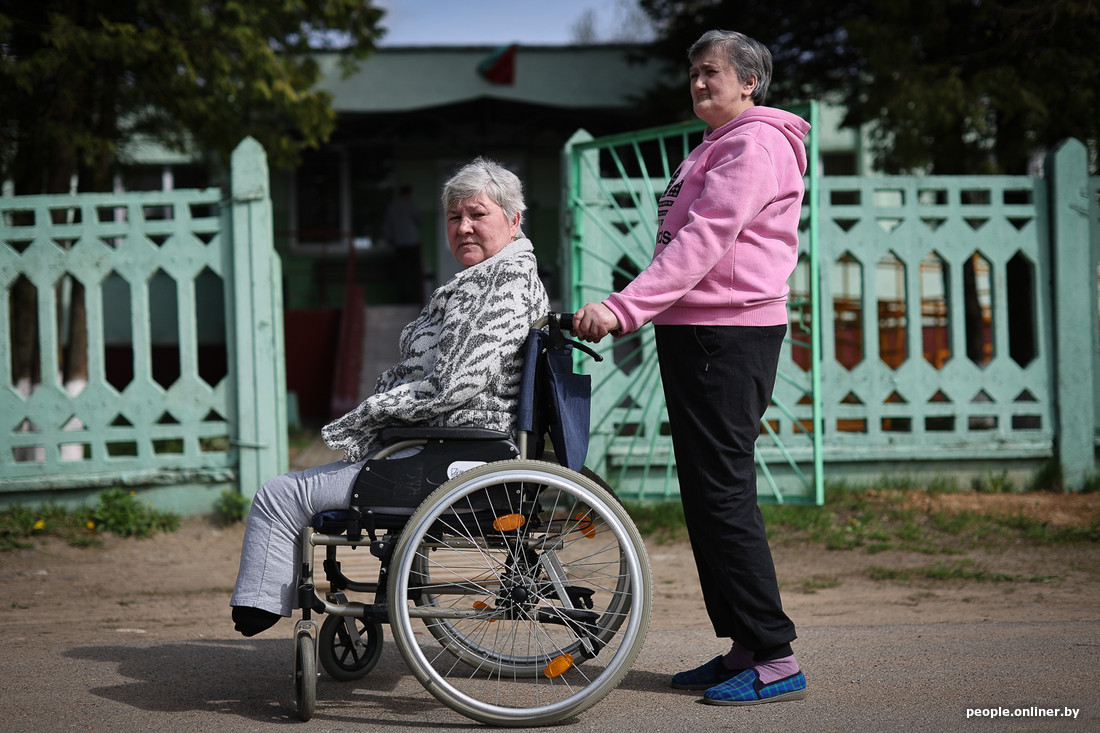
{"x":388,"y":489}
{"x":394,"y":433}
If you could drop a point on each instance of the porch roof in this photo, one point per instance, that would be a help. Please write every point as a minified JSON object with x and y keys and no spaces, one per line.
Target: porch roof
{"x":403,"y":79}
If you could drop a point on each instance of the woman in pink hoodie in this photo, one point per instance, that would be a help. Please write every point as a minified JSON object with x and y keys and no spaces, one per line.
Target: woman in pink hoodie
{"x":716,"y":292}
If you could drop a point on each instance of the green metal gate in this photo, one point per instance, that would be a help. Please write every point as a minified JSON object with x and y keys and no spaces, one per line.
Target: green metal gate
{"x":612,"y":185}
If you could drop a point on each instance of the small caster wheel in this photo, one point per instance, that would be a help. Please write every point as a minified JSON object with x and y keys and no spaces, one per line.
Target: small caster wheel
{"x":349,"y":647}
{"x":305,"y":675}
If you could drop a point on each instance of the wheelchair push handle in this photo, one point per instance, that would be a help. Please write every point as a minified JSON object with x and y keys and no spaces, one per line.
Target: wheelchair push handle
{"x":564,"y":322}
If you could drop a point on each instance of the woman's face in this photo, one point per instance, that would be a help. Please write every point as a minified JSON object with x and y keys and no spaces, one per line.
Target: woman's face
{"x":716,"y":93}
{"x":477,"y":229}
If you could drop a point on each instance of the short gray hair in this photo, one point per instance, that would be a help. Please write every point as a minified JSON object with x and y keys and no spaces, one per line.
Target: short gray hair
{"x":484,"y":176}
{"x":749,"y":58}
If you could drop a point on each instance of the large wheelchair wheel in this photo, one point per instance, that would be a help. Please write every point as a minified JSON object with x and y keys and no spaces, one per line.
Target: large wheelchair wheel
{"x":614,"y":598}
{"x":519,"y":572}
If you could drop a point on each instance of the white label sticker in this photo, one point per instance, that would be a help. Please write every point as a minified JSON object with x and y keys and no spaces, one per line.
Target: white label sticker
{"x":459,"y":466}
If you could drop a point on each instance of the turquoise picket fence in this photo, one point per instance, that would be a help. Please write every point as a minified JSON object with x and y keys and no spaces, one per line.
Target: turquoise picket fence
{"x":939,"y":325}
{"x":141,"y":343}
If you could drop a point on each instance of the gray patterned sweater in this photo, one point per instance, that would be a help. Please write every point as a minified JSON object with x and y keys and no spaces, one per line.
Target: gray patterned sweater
{"x":460,"y":359}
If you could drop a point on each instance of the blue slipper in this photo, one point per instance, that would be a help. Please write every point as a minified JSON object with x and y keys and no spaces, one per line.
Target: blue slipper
{"x":747,"y":689}
{"x":704,"y":677}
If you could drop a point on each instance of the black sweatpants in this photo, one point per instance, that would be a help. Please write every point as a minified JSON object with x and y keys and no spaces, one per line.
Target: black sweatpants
{"x":718,"y":381}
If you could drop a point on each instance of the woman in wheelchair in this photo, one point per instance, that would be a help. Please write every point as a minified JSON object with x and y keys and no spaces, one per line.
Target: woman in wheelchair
{"x":460,"y":367}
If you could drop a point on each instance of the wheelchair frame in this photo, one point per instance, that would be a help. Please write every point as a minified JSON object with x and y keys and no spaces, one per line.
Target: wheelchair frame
{"x":520,"y":570}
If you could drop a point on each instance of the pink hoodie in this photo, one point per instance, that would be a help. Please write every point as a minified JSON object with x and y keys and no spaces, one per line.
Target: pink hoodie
{"x":727,"y":230}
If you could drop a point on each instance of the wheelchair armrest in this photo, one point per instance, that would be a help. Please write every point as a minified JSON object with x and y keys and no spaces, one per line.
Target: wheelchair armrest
{"x":414,"y":432}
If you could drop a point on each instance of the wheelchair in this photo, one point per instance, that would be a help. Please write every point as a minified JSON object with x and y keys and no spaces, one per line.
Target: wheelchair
{"x":515,"y":585}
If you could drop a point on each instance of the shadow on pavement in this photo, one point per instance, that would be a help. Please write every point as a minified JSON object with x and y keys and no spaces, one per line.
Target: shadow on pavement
{"x":251,"y":679}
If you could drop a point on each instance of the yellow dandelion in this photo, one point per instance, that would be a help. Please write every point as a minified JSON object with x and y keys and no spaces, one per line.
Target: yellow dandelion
{"x":40,"y":524}
{"x":90,"y":524}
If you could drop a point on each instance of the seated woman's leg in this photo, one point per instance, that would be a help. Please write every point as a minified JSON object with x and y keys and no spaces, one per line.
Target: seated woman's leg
{"x":267,"y":579}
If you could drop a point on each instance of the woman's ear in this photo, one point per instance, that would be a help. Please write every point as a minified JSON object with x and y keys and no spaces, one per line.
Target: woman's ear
{"x":748,"y":87}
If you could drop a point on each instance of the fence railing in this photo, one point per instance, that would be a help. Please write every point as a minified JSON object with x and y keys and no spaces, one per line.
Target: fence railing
{"x":141,"y":342}
{"x":956,"y":319}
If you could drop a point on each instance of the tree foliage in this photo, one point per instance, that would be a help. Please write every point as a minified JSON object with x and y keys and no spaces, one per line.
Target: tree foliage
{"x":78,"y":80}
{"x":953,"y":86}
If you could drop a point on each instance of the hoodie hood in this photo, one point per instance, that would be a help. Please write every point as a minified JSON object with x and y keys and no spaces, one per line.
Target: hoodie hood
{"x":727,"y":229}
{"x":791,"y":126}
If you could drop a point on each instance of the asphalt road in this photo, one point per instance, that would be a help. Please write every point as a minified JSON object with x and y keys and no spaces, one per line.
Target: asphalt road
{"x":911,"y":678}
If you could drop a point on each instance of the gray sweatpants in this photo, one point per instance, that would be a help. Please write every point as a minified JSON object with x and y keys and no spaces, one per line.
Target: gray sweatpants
{"x":268,"y":575}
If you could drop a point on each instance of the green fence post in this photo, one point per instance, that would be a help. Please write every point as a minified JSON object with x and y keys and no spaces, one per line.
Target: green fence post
{"x":572,"y":225}
{"x":1075,"y":311}
{"x":814,"y":192}
{"x":257,"y":323}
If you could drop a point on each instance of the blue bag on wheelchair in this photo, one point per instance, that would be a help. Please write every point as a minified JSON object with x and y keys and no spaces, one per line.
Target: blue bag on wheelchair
{"x":554,"y":399}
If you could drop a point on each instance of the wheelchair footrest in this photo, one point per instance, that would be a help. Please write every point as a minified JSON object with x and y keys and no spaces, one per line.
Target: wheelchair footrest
{"x":567,"y":616}
{"x":578,"y":597}
{"x":580,"y":622}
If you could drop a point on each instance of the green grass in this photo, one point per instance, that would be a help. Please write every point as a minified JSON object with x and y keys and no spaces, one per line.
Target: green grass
{"x":819,"y":582}
{"x":20,"y":525}
{"x":894,"y":515}
{"x":663,"y":521}
{"x":887,"y":517}
{"x":116,"y":511}
{"x":230,"y":508}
